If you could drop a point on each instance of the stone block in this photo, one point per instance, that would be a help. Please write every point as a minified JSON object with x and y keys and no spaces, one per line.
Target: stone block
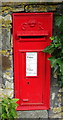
{"x":6,"y":39}
{"x":8,"y":17}
{"x":33,"y":114}
{"x":8,"y":92}
{"x":8,"y":84}
{"x":6,"y":63}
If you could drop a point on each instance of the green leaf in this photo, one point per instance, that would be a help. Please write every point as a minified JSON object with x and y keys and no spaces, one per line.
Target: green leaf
{"x":55,"y":68}
{"x":57,"y":45}
{"x":53,"y":61}
{"x":58,"y":20}
{"x":62,"y":50}
{"x":4,"y":116}
{"x":49,"y":49}
{"x":8,"y":108}
{"x":56,"y":49}
{"x":60,"y":80}
{"x":15,"y":100}
{"x":13,"y":113}
{"x":52,"y":38}
{"x":60,"y":63}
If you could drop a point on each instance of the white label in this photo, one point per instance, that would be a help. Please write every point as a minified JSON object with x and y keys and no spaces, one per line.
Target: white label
{"x":31,"y":63}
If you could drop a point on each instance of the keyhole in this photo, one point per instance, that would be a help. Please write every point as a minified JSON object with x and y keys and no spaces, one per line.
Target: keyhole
{"x":28,"y":82}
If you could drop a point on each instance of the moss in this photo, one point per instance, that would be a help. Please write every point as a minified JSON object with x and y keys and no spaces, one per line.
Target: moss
{"x":7,"y":8}
{"x":4,"y":52}
{"x":53,"y":7}
{"x":12,"y":3}
{"x":6,"y":23}
{"x":7,"y":73}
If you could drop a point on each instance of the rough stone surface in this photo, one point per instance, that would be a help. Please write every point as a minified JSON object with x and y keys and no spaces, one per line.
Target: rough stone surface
{"x":33,"y":114}
{"x":6,"y":63}
{"x":6,"y":39}
{"x":0,"y":70}
{"x":0,"y":38}
{"x":6,"y":92}
{"x":8,"y":17}
{"x":9,"y":84}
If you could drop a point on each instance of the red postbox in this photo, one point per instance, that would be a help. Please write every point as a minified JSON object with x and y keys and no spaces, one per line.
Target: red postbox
{"x":31,"y":34}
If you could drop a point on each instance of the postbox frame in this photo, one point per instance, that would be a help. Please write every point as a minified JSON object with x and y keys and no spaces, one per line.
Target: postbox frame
{"x":46,"y":106}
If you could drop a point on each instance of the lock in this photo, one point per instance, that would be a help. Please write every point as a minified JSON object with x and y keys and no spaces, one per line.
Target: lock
{"x":28,"y":82}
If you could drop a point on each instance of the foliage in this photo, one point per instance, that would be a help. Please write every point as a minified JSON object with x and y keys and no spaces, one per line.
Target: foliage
{"x":8,"y":108}
{"x":56,"y":49}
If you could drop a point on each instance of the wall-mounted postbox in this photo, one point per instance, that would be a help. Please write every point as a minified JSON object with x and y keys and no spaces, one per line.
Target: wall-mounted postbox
{"x":31,"y":34}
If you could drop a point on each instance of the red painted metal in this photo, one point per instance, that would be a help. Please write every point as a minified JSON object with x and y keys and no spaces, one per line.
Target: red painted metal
{"x":31,"y":33}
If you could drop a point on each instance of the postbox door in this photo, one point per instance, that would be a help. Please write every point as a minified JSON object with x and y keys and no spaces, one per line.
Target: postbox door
{"x":32,"y":77}
{"x":31,"y":34}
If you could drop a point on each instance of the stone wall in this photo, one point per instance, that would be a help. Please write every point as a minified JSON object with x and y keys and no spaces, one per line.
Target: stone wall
{"x":6,"y":54}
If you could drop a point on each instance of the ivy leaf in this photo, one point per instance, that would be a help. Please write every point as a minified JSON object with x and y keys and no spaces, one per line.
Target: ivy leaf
{"x":53,"y":61}
{"x":62,"y":51}
{"x":49,"y":49}
{"x":56,"y":49}
{"x":55,"y":68}
{"x":60,"y":63}
{"x":58,"y":21}
{"x":60,"y":80}
{"x":57,"y":45}
{"x":52,"y":38}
